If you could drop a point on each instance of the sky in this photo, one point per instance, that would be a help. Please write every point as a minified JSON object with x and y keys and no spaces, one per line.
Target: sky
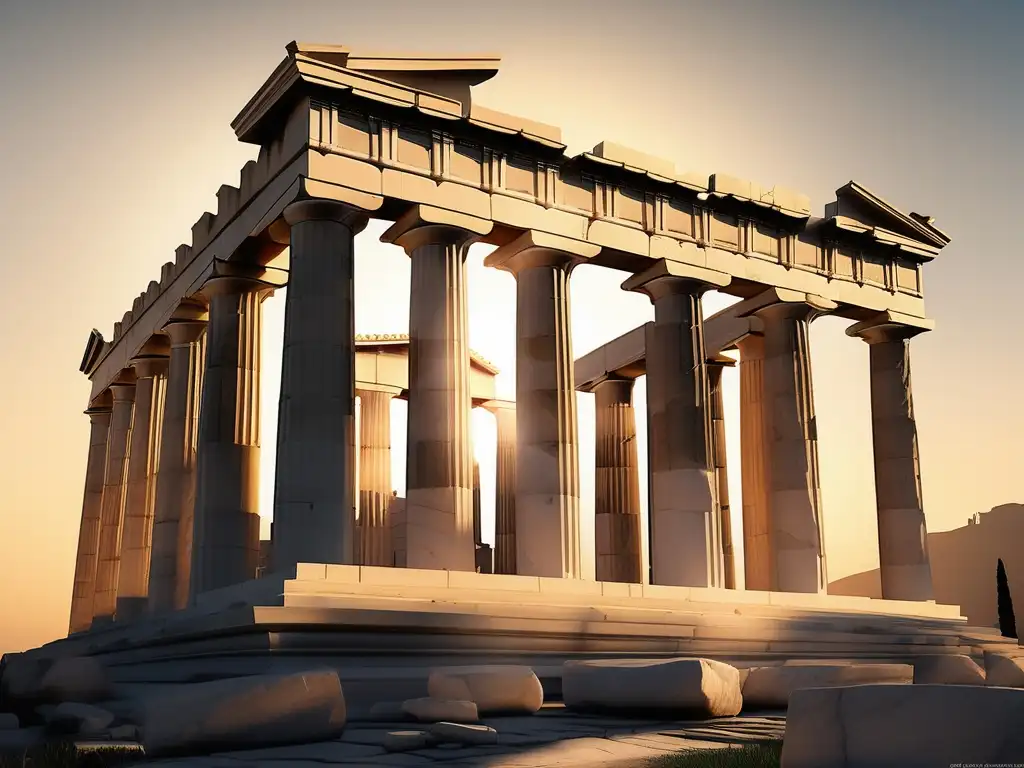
{"x":115,"y":137}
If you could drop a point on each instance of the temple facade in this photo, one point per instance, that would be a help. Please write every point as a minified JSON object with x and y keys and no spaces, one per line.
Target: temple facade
{"x":170,"y":508}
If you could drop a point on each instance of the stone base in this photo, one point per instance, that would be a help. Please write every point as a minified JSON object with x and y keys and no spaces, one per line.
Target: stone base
{"x":384,"y":628}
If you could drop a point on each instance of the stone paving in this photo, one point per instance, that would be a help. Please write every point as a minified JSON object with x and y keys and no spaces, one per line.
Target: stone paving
{"x":552,"y":737}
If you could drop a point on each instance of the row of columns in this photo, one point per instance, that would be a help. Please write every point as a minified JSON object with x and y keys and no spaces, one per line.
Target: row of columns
{"x":141,"y":532}
{"x":690,"y":526}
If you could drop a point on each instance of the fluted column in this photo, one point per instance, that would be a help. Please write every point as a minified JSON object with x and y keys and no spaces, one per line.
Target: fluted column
{"x":171,"y":563}
{"x":314,"y":493}
{"x":794,"y":490}
{"x":226,"y":538}
{"x":757,"y":560}
{"x":547,"y":448}
{"x":617,"y":480}
{"x":716,"y":368}
{"x":375,"y":491}
{"x":685,"y":534}
{"x":439,"y":465}
{"x":114,"y":477}
{"x":140,"y":491}
{"x":505,"y":486}
{"x":902,"y":532}
{"x":92,"y":505}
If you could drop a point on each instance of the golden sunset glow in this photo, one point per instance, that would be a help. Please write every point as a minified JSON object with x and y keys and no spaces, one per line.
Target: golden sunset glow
{"x":116,"y":138}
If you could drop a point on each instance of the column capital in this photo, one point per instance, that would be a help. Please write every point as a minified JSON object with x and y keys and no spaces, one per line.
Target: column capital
{"x":321,"y":209}
{"x":783,"y":303}
{"x":614,"y":381}
{"x":381,"y":389}
{"x":184,"y":332}
{"x":122,"y":393}
{"x":669,"y":278}
{"x":425,"y":225}
{"x":890,"y":326}
{"x":191,"y":309}
{"x":720,"y":361}
{"x":149,"y":366}
{"x":229,"y":279}
{"x":540,"y":249}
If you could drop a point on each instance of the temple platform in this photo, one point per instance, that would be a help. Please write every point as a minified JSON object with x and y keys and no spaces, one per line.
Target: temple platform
{"x":383,"y":628}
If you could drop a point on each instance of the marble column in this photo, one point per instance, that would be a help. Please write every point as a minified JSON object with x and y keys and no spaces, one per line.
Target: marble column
{"x":505,"y":486}
{"x":547,"y":448}
{"x":314,"y":493}
{"x":902,"y":532}
{"x":685,"y":544}
{"x":439,"y":480}
{"x":757,"y":560}
{"x":114,"y":477}
{"x":794,"y":491}
{"x":716,"y":368}
{"x":617,"y":480}
{"x":92,"y":505}
{"x":171,"y":562}
{"x":375,"y":490}
{"x":140,"y":489}
{"x":226,"y":528}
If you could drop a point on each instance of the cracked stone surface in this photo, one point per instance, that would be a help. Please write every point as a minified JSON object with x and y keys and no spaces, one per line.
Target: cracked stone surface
{"x":554,"y":737}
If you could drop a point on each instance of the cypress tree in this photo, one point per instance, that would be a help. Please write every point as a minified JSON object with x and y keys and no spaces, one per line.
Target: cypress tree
{"x":1004,"y":603}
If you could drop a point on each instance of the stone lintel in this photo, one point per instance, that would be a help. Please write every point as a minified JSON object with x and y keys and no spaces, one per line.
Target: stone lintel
{"x":498,"y":405}
{"x":890,"y":325}
{"x":424,"y":225}
{"x":655,"y":275}
{"x":783,"y":296}
{"x":534,"y":248}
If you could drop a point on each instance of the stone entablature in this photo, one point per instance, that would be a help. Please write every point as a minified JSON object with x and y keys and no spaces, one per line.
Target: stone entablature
{"x":336,"y":126}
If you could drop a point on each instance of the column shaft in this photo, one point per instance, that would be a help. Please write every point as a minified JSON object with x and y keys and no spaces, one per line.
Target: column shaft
{"x":171,"y":563}
{"x":684,"y":518}
{"x":89,"y":529}
{"x":505,"y":492}
{"x":718,"y":452}
{"x":140,"y":499}
{"x":115,"y":474}
{"x":902,"y":531}
{"x":617,"y":481}
{"x":375,"y":491}
{"x":314,"y":496}
{"x":226,"y":527}
{"x":547,"y":452}
{"x":794,"y":492}
{"x":439,"y":497}
{"x":757,"y":561}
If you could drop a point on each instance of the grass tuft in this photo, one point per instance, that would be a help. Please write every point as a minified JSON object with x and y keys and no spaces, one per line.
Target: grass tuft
{"x":767,"y":755}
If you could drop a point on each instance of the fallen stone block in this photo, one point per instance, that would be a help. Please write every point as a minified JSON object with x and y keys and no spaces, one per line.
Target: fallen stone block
{"x":911,"y":726}
{"x":81,"y":679}
{"x":9,"y":721}
{"x":243,"y":713}
{"x":431,"y":710}
{"x":15,"y":741}
{"x":699,"y":687}
{"x":461,"y":733}
{"x":1004,"y":671}
{"x":947,"y":670}
{"x":494,"y":689}
{"x":406,"y":741}
{"x":771,"y":687}
{"x":126,"y":732}
{"x":72,"y":717}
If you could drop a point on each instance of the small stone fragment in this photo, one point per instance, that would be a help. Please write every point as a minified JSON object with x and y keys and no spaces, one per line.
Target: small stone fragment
{"x":9,"y":721}
{"x":430,"y":710}
{"x":406,"y":741}
{"x":461,"y":733}
{"x":493,"y":688}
